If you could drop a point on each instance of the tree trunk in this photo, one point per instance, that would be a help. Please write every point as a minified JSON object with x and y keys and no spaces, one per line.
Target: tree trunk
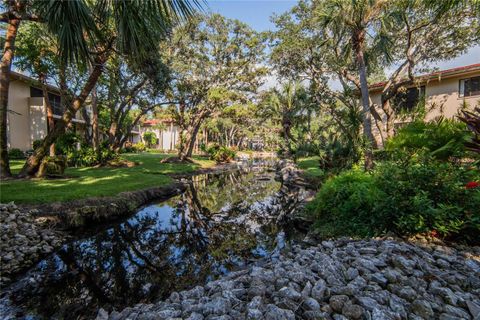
{"x":5,"y":68}
{"x":193,"y":138}
{"x":358,"y":42}
{"x":49,"y":109}
{"x":33,"y":162}
{"x":87,"y":135}
{"x":390,"y":115}
{"x":182,"y":146}
{"x":95,"y":135}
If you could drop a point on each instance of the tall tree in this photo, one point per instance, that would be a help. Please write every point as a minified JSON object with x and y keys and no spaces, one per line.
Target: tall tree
{"x":358,"y":16}
{"x":116,"y":32}
{"x":215,"y":62}
{"x":307,"y":48}
{"x":129,"y":90}
{"x":286,"y":105}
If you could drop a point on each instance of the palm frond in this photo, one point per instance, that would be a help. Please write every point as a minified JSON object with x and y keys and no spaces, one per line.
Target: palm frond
{"x":71,"y":22}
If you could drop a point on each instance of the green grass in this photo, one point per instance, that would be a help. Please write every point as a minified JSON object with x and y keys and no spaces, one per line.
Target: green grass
{"x":311,"y":170}
{"x":96,"y":182}
{"x":310,"y":166}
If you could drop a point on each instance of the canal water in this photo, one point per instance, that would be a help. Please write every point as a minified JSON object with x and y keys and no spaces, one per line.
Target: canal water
{"x":221,"y":223}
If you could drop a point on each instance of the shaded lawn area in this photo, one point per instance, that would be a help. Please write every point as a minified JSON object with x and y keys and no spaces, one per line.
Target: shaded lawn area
{"x":95,"y":182}
{"x":311,"y":167}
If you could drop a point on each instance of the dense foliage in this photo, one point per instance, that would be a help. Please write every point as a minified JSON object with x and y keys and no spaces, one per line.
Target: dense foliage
{"x":408,"y":196}
{"x":134,"y":147}
{"x":150,"y":139}
{"x":441,"y":138}
{"x":221,"y":154}
{"x":472,"y":120}
{"x":15,"y":153}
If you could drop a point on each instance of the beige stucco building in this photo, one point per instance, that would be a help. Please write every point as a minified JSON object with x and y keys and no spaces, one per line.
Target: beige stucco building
{"x":27,"y":116}
{"x":444,"y":93}
{"x":165,"y":130}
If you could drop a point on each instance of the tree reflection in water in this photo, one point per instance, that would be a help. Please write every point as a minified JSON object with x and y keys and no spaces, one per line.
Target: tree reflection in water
{"x":219,"y":223}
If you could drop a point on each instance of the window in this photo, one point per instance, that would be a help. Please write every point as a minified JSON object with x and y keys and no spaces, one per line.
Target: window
{"x":56,"y":103}
{"x":55,"y":100}
{"x":469,"y":87}
{"x":408,"y":100}
{"x":35,"y":92}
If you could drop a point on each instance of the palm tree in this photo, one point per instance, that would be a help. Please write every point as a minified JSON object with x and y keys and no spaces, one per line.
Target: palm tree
{"x":358,"y":16}
{"x":284,"y":105}
{"x":132,"y":29}
{"x":69,"y":20}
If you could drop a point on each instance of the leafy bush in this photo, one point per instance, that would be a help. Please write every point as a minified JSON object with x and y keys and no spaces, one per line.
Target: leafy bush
{"x":150,"y":138}
{"x":442,"y":138}
{"x":422,"y":195}
{"x":86,"y":156}
{"x":134,"y":148}
{"x":344,"y":204}
{"x":221,"y":154}
{"x":67,"y":143}
{"x":335,"y":154}
{"x":408,"y":196}
{"x":139,"y":147}
{"x":36,"y":144}
{"x":16,"y":154}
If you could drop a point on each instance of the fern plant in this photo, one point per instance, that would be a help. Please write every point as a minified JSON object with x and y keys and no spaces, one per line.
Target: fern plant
{"x":472,"y":120}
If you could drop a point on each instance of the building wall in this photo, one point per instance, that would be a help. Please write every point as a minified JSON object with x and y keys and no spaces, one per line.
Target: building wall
{"x":38,"y":119}
{"x":167,"y":138}
{"x":441,"y":99}
{"x":444,"y":100}
{"x":19,"y":120}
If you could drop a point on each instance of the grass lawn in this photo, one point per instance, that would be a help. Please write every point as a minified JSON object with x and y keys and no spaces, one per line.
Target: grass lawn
{"x":310,"y":166}
{"x":94,"y":182}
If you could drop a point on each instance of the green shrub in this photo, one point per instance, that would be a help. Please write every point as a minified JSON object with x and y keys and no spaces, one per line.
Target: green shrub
{"x":134,"y":148}
{"x":139,"y":147}
{"x":16,"y":154}
{"x":336,"y":154}
{"x":344,"y":204}
{"x":67,"y":143}
{"x":221,"y":154}
{"x":87,"y":157}
{"x":408,"y":196}
{"x":150,"y":138}
{"x":442,"y":138}
{"x":36,"y":144}
{"x":423,"y":195}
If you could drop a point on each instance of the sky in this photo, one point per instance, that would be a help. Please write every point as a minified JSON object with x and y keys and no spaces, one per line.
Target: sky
{"x":257,"y":13}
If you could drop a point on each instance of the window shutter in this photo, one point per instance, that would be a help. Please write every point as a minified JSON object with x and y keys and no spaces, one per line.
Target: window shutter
{"x":461,"y":89}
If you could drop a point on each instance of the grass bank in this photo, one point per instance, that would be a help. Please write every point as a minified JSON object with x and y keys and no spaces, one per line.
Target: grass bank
{"x":96,"y":182}
{"x":311,"y":170}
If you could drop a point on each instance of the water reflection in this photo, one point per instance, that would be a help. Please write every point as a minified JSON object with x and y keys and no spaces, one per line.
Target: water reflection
{"x":221,"y":222}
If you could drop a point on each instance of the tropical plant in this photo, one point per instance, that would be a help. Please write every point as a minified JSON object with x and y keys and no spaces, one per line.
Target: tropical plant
{"x":358,"y":18}
{"x":150,"y":139}
{"x":441,"y":138}
{"x":413,"y":194}
{"x":472,"y":120}
{"x":285,"y":106}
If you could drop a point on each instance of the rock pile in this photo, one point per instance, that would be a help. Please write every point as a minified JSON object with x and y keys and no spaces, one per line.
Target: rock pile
{"x":289,"y":174}
{"x":341,"y":279}
{"x":24,"y":239}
